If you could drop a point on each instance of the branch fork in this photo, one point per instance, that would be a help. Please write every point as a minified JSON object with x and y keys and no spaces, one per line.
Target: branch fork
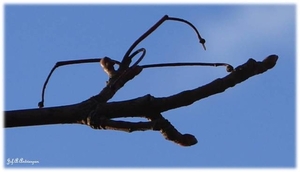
{"x":156,"y":121}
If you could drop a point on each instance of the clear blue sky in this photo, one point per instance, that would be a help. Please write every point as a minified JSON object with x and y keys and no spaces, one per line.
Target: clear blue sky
{"x":250,"y":125}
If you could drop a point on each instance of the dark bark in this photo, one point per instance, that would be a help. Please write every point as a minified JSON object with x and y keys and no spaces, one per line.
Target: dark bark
{"x":97,"y":113}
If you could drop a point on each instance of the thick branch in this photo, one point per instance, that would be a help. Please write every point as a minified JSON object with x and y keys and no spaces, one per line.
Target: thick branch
{"x":140,"y":107}
{"x":54,"y":115}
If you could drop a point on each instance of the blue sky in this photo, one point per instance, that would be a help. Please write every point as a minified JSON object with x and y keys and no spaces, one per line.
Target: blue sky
{"x":249,"y":125}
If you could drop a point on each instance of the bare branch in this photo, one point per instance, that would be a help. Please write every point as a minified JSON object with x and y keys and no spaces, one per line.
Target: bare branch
{"x":97,"y":113}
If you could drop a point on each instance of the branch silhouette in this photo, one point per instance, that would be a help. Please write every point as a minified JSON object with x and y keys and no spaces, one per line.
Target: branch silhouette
{"x":97,"y":113}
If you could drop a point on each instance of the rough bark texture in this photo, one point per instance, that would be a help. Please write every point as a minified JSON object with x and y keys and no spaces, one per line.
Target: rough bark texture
{"x":98,"y":114}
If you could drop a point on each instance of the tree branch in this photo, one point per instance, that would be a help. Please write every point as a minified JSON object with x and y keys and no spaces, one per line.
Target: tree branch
{"x":97,"y":113}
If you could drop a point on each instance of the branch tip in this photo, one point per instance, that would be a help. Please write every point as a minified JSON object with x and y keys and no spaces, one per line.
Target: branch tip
{"x":270,"y":61}
{"x":188,"y":140}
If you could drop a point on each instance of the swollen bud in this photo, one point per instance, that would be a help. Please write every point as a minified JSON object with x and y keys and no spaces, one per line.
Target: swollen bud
{"x":108,"y":66}
{"x":202,"y":41}
{"x":188,"y":140}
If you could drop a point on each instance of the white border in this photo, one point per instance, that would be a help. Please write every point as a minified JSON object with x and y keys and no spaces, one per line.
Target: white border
{"x":150,"y":2}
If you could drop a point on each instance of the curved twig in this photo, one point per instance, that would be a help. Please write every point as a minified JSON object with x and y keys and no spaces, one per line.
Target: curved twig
{"x":126,"y":60}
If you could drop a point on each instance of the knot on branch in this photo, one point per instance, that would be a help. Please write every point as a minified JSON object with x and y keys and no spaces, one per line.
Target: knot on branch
{"x":96,"y":121}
